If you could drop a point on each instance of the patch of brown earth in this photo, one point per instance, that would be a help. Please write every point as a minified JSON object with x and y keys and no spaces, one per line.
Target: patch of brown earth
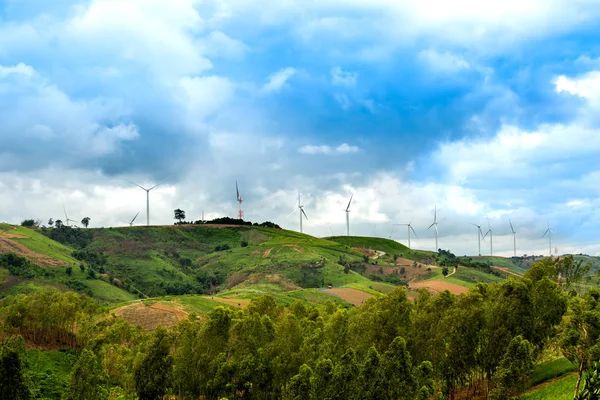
{"x":242,"y":303}
{"x":440,"y":286}
{"x":353,"y":296}
{"x":294,"y":247}
{"x":267,"y":252}
{"x":508,"y":271}
{"x":10,"y":246}
{"x":151,"y":317}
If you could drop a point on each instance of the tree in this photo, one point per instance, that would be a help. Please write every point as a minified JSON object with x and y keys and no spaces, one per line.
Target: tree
{"x":516,"y":366}
{"x":571,"y":270}
{"x":591,"y":387}
{"x":153,"y":375}
{"x":50,"y":222}
{"x":58,"y":223}
{"x":179,"y":215}
{"x":28,"y":223}
{"x":445,"y":271}
{"x":12,"y":368}
{"x":580,"y":336}
{"x":85,"y":222}
{"x":69,"y":271}
{"x":299,"y":386}
{"x":86,"y":380}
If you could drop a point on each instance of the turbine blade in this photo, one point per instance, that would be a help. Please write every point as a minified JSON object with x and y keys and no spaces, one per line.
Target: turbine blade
{"x":348,"y":208}
{"x":295,"y":209}
{"x":133,"y":183}
{"x":411,"y":228}
{"x":136,"y":215}
{"x":160,"y":183}
{"x":431,"y":226}
{"x":237,"y":191}
{"x":547,"y":230}
{"x":511,"y":226}
{"x":302,"y":209}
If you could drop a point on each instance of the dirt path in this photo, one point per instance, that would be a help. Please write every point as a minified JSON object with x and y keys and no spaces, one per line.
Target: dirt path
{"x":8,"y":245}
{"x":453,"y":272}
{"x":508,"y":271}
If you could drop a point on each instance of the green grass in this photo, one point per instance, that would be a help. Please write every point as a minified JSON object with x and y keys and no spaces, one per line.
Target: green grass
{"x":49,"y":372}
{"x":381,"y":287}
{"x":195,"y":304}
{"x":39,"y":243}
{"x":550,"y":370}
{"x":390,"y":247}
{"x":561,"y":389}
{"x":501,"y":262}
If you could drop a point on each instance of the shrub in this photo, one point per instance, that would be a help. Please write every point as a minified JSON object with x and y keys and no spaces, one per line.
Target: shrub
{"x":222,"y":247}
{"x":244,"y":243}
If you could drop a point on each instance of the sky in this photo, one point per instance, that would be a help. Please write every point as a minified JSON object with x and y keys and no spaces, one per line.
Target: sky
{"x":483,"y":110}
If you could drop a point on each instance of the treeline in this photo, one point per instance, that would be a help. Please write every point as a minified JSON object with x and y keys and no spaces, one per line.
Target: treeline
{"x":483,"y":343}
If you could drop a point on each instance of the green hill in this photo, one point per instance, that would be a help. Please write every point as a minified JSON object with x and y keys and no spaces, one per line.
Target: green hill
{"x":502,"y":262}
{"x":117,"y":265}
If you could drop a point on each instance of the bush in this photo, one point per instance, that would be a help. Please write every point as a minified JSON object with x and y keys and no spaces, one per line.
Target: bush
{"x":69,"y":270}
{"x":222,"y":247}
{"x":29,"y":223}
{"x":244,"y":243}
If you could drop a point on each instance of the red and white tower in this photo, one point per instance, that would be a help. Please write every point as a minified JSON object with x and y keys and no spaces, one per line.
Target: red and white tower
{"x":239,"y":200}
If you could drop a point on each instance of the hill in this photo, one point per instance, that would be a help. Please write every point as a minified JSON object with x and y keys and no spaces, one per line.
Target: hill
{"x":117,"y":265}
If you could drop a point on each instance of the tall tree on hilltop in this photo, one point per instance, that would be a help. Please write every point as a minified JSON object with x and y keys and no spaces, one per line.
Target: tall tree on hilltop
{"x":179,"y":215}
{"x":86,"y":221}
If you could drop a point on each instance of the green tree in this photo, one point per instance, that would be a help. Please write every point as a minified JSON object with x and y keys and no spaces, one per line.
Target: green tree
{"x":50,"y":222}
{"x":179,"y":215}
{"x":69,"y":271}
{"x":591,"y":386}
{"x":153,"y":374}
{"x":580,"y":335}
{"x":87,"y":379}
{"x":12,"y":368}
{"x":445,"y":271}
{"x":86,"y":221}
{"x":571,"y":270}
{"x":58,"y":223}
{"x":321,"y":381}
{"x":396,"y":372}
{"x":517,"y":363}
{"x":299,"y":386}
{"x":369,"y":385}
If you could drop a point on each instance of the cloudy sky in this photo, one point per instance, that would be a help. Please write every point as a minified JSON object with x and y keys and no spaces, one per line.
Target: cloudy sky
{"x":487,"y":109}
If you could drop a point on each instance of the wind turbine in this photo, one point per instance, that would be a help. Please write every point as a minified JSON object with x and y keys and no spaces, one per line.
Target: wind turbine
{"x":131,"y":222}
{"x":300,"y":212}
{"x":435,"y":226}
{"x":239,"y":200}
{"x":347,"y":210}
{"x":514,"y":237}
{"x":480,"y":236}
{"x":148,"y":197}
{"x":409,"y":228}
{"x":67,"y":219}
{"x":549,"y":232}
{"x":491,"y":238}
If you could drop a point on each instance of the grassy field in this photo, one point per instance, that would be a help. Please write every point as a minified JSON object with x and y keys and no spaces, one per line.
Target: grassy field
{"x":559,"y":389}
{"x":550,"y":370}
{"x":390,"y":247}
{"x":49,"y":372}
{"x":501,"y":262}
{"x":39,"y":243}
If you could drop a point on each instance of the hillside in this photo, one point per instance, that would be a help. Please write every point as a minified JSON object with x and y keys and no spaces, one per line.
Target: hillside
{"x":117,"y":265}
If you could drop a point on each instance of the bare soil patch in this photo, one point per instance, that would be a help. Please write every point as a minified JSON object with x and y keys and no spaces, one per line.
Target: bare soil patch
{"x":440,"y":286}
{"x":267,"y":252}
{"x":10,"y":246}
{"x":410,"y":273}
{"x":151,"y":317}
{"x":353,"y":296}
{"x":366,"y":252}
{"x":508,"y":271}
{"x":294,"y":248}
{"x":230,"y":302}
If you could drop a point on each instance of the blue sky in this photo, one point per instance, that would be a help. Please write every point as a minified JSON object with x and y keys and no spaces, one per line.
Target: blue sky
{"x":487,"y":109}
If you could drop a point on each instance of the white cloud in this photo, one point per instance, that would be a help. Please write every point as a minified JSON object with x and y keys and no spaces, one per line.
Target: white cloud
{"x":20,"y":68}
{"x":343,"y":148}
{"x":343,"y":78}
{"x":443,"y":61}
{"x":277,"y":80}
{"x":219,"y":45}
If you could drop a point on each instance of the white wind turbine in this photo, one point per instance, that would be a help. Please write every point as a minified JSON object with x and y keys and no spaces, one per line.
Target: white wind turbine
{"x":410,"y":228}
{"x":480,"y":237}
{"x":435,"y":226}
{"x":514,"y":237}
{"x":549,"y":232}
{"x":148,"y":197}
{"x":491,"y":238}
{"x":300,"y":212}
{"x":347,"y":211}
{"x":67,"y":219}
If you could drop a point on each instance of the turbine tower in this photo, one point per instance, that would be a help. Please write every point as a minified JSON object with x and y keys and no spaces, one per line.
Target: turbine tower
{"x":239,"y":200}
{"x":409,"y":228}
{"x":491,"y":238}
{"x":301,"y":212}
{"x":148,"y":197}
{"x":514,"y":237}
{"x":549,"y":232}
{"x":480,"y":236}
{"x":347,"y":210}
{"x":435,"y":226}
